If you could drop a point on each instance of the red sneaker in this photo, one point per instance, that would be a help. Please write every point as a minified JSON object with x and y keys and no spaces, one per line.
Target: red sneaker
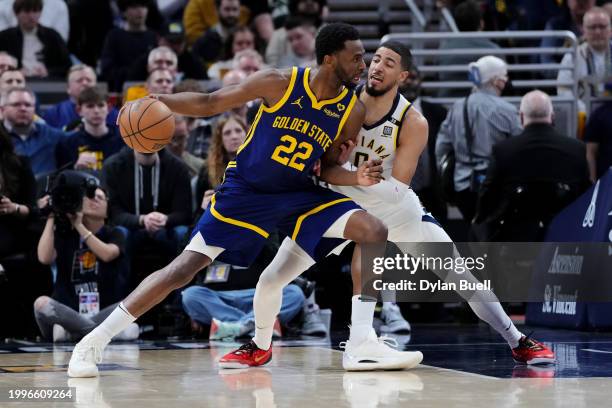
{"x":530,"y":351}
{"x":248,"y":355}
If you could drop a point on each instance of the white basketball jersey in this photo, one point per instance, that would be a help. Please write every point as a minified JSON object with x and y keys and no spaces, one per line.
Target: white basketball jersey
{"x":376,"y":141}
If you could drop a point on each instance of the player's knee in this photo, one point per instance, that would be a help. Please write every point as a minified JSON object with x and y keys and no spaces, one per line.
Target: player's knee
{"x":41,"y":302}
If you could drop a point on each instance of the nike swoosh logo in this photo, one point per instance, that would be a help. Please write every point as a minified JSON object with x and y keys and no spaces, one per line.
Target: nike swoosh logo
{"x":262,"y":357}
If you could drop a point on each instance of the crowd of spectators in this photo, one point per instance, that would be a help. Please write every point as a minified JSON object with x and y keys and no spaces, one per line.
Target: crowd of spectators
{"x":134,"y":48}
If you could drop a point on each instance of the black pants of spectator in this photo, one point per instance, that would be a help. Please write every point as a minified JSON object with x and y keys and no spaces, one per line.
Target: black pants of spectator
{"x":466,"y":202}
{"x":54,"y":312}
{"x":15,"y":238}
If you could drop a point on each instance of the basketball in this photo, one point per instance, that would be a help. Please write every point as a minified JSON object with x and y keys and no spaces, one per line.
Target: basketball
{"x":146,"y":125}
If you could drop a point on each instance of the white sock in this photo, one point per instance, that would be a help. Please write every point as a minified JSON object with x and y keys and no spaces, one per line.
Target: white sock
{"x":494,"y":315}
{"x":114,"y":324}
{"x":289,"y":263}
{"x":362,"y":318}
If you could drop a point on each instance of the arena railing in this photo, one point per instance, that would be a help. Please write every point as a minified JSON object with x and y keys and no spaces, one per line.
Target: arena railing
{"x":425,"y":50}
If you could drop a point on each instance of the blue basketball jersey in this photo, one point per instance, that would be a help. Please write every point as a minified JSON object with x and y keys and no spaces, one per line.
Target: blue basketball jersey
{"x":285,"y":140}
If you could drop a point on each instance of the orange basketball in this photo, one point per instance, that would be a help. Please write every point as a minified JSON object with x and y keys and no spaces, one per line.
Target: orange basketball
{"x":146,"y":125}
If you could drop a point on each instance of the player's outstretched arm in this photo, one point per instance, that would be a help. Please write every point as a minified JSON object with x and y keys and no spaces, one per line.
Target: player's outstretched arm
{"x":269,"y":85}
{"x":368,"y":173}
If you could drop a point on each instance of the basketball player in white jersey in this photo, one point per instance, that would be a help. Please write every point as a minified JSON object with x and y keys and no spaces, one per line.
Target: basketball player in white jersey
{"x":397,"y":134}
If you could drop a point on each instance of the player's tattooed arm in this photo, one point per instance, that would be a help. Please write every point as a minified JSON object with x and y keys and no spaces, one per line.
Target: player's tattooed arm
{"x":268,"y":85}
{"x":367,"y":174}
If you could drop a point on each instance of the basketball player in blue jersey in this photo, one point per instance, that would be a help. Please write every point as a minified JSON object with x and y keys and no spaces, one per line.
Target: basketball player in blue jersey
{"x":304,"y":116}
{"x":396,"y":133}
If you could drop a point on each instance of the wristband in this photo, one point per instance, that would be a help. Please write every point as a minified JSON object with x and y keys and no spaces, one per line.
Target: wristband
{"x":86,"y":237}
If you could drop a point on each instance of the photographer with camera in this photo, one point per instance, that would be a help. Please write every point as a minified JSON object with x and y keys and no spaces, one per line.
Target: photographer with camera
{"x":92,"y":267}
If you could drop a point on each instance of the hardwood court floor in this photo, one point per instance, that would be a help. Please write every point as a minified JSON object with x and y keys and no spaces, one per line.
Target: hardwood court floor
{"x":309,"y":374}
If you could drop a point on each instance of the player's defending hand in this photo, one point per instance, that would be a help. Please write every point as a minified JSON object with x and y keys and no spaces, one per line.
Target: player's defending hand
{"x":370,"y":173}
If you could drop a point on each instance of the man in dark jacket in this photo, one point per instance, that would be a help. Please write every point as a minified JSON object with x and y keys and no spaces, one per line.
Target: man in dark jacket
{"x":531,"y":177}
{"x":41,"y":51}
{"x":150,"y":195}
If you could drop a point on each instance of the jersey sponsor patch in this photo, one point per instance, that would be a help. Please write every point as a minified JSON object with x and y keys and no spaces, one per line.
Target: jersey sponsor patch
{"x":387,"y":131}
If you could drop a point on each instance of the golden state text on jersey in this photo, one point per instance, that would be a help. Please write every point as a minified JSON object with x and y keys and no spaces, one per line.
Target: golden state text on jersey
{"x":285,"y":140}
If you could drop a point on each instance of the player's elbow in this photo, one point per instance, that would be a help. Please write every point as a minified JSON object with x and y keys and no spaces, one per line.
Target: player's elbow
{"x":376,"y":233}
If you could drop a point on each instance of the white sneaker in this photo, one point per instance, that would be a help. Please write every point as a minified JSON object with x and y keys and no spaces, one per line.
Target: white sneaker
{"x":129,"y":333}
{"x":86,"y":354}
{"x":60,"y":334}
{"x":375,"y":354}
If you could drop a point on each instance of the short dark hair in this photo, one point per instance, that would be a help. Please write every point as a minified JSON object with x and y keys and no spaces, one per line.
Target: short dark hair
{"x":92,"y":95}
{"x":126,"y":4}
{"x":402,"y":51}
{"x":298,"y":21}
{"x":331,"y":39}
{"x":468,"y":16}
{"x":27,"y":5}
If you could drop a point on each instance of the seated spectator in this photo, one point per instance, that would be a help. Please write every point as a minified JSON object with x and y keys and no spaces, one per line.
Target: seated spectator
{"x":209,"y":46}
{"x":248,"y":61}
{"x":525,"y":186}
{"x":90,"y":257}
{"x":158,"y":58}
{"x":7,"y":62}
{"x":17,"y":198}
{"x":178,"y":146}
{"x":592,"y":57}
{"x":33,"y":139}
{"x":234,"y":77}
{"x":598,"y":138}
{"x":278,"y":45}
{"x":239,"y":40}
{"x":64,"y":115}
{"x":123,"y":46}
{"x":229,"y":313}
{"x":571,"y":20}
{"x":88,"y":147}
{"x":230,"y":132}
{"x":150,"y":195}
{"x":301,"y":37}
{"x":54,"y":15}
{"x":468,"y":17}
{"x":187,"y":63}
{"x":40,"y":50}
{"x":200,"y":129}
{"x":160,"y":81}
{"x":11,"y":78}
{"x":202,"y":15}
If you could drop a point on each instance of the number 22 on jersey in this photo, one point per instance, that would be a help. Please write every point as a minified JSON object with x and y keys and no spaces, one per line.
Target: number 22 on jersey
{"x":292,"y":154}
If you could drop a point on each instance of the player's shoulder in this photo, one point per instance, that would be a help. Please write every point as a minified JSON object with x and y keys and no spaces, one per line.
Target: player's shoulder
{"x":359,"y":109}
{"x":273,"y":75}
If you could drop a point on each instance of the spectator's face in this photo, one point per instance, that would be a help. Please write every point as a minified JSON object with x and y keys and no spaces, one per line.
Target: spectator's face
{"x":597,"y":30}
{"x":19,"y":109}
{"x":243,"y":40}
{"x":163,"y":60}
{"x":233,"y":136}
{"x":7,"y":63}
{"x":28,"y":20}
{"x":178,"y":144}
{"x":385,"y":72}
{"x":96,"y":207}
{"x":94,"y":113}
{"x":136,"y":15}
{"x":79,"y":80}
{"x":229,"y":12}
{"x":160,"y":82}
{"x":249,"y":65}
{"x":302,"y":40}
{"x":11,"y":79}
